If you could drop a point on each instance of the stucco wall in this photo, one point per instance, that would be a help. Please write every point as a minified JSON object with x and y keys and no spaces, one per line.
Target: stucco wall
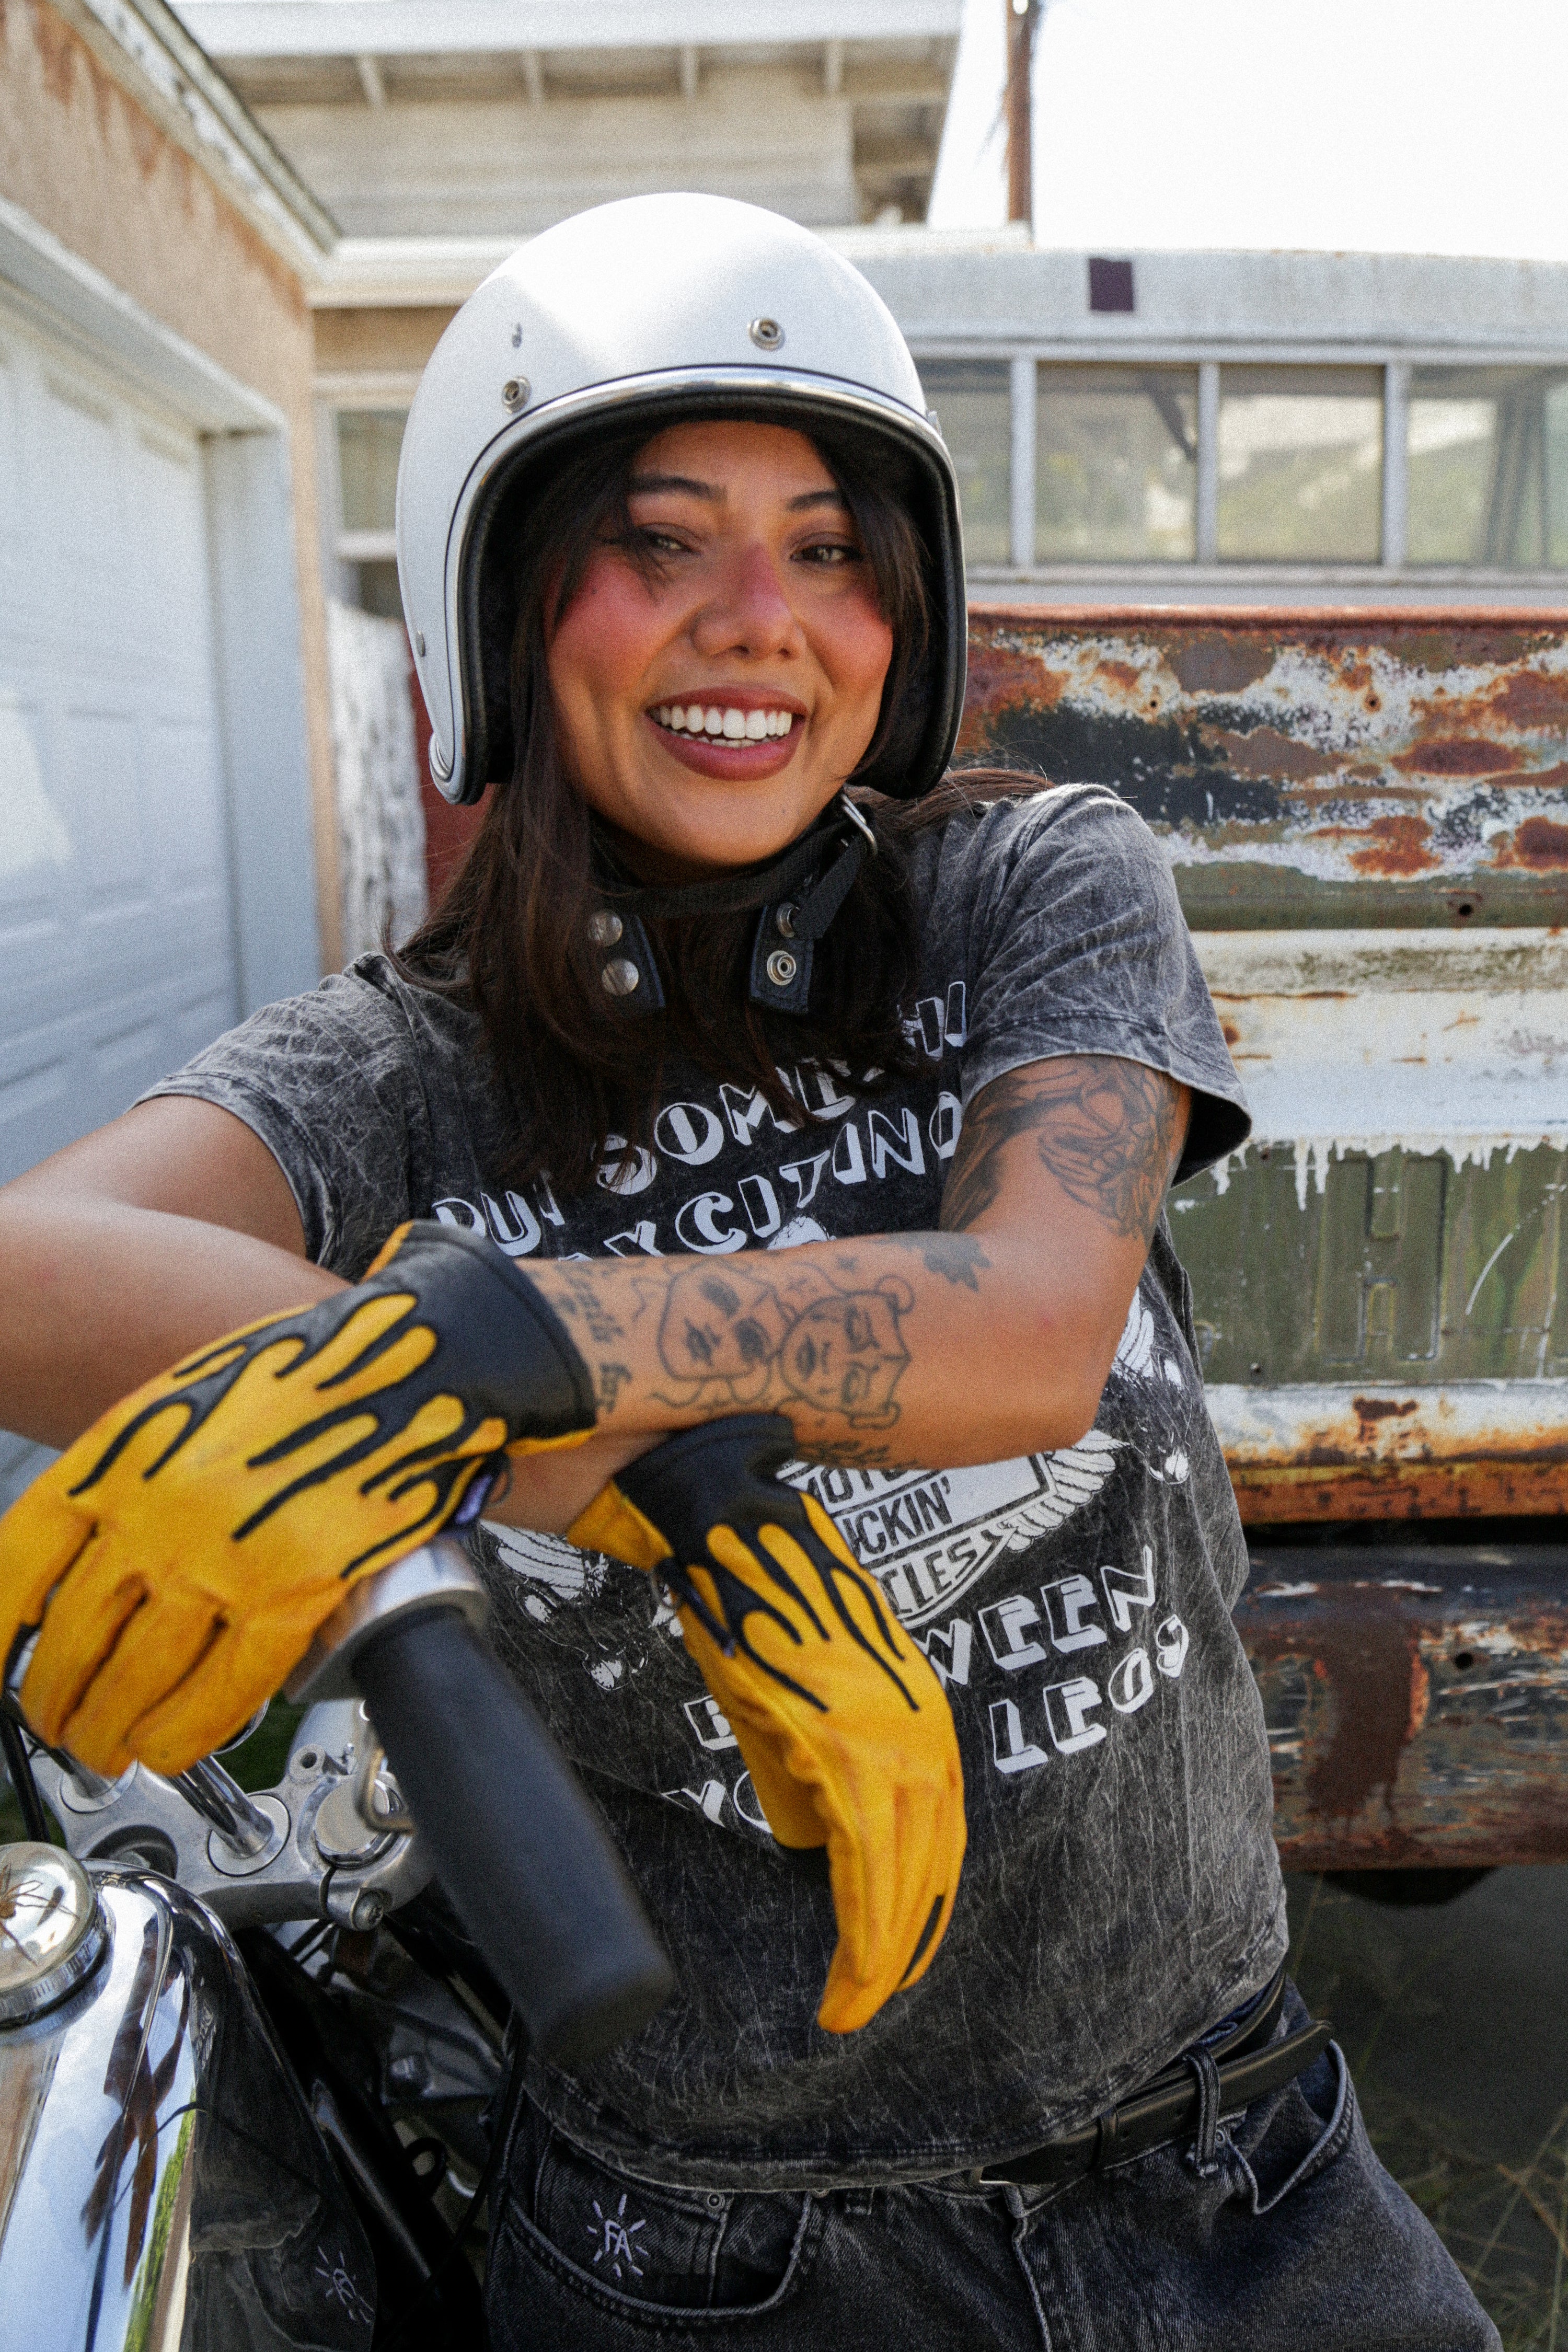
{"x":92,"y":166}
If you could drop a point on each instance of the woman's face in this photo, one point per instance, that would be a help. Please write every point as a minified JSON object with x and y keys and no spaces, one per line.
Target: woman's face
{"x":710,"y":708}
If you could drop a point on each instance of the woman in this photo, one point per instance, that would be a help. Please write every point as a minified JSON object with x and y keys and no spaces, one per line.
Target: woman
{"x":724,"y":1104}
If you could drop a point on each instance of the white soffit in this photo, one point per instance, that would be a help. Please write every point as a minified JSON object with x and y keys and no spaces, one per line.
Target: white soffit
{"x":299,"y":28}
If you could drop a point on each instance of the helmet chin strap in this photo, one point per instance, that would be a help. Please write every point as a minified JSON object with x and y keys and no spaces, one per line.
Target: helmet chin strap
{"x":796,"y":901}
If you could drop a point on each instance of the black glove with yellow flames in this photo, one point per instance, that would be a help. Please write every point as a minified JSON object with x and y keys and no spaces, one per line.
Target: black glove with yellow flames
{"x":842,"y":1722}
{"x":179,"y":1557}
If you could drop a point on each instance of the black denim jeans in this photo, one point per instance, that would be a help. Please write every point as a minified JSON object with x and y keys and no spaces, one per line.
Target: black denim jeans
{"x":1300,"y":2241}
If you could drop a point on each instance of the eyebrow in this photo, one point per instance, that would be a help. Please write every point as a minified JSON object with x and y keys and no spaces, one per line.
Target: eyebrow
{"x":644,"y":483}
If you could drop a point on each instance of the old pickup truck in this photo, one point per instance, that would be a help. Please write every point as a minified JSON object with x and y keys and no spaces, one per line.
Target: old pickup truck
{"x":1367,"y":817}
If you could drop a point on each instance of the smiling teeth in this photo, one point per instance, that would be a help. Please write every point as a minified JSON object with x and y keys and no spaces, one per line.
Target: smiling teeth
{"x":734,"y":726}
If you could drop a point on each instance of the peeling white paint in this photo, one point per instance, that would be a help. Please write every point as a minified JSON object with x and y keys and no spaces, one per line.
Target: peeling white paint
{"x":1265,"y":1426}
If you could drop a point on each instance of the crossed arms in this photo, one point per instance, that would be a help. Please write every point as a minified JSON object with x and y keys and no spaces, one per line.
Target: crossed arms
{"x":990,"y":1337}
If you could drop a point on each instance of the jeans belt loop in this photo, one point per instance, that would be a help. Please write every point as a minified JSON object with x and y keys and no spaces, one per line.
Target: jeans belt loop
{"x":1201,"y":2155}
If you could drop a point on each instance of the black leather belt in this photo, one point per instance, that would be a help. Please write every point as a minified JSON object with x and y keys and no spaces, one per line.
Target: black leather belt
{"x":1209,"y":2081}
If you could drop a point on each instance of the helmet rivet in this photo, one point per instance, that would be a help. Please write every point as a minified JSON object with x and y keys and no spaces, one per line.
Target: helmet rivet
{"x":766,"y":334}
{"x":604,"y":929}
{"x":783,"y":920}
{"x":419,"y":640}
{"x":781,"y":968}
{"x":620,"y":976}
{"x":515,"y":390}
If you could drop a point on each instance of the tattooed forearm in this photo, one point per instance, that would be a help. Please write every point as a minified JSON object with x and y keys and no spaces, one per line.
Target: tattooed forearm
{"x":1109,"y":1132}
{"x":731,"y":1341}
{"x":953,"y":1255}
{"x":581,"y":1298}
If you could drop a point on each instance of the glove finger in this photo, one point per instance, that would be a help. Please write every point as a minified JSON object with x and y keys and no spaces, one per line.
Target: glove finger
{"x":238,"y":1670}
{"x":80,"y":1627}
{"x":42,"y":1536}
{"x":788,"y":1804}
{"x":876,"y":1618}
{"x":158,"y":1644}
{"x":895,"y":1870}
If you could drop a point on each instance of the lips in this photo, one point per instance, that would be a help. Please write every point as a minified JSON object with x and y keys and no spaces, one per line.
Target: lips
{"x":734,"y":736}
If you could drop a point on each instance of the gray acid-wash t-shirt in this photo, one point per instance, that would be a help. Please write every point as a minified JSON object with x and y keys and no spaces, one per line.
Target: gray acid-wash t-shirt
{"x":1122,"y":1889}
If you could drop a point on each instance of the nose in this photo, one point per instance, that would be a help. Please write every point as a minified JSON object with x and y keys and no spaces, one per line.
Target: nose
{"x":747,"y":609}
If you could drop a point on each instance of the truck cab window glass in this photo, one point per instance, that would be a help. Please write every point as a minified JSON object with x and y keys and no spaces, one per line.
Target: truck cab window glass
{"x":1116,"y":465}
{"x":972,"y":399}
{"x":1488,"y":468}
{"x":1301,"y":464}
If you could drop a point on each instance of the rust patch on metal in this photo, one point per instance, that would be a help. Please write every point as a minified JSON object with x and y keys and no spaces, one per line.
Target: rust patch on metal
{"x":1368,"y":1662}
{"x":1219,"y":661}
{"x":1461,"y":756}
{"x":1540,"y":845}
{"x":1416,"y":1702}
{"x":1369,"y":1410}
{"x":1528,"y":700}
{"x":1295,"y":762}
{"x":1292,"y":1493}
{"x":1396,"y":845}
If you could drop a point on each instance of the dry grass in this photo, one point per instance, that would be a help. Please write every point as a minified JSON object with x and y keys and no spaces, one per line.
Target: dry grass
{"x":1494,"y":2189}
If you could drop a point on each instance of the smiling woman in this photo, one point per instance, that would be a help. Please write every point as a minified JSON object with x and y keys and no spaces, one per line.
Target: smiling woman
{"x":726,"y":566}
{"x":754,"y":1174}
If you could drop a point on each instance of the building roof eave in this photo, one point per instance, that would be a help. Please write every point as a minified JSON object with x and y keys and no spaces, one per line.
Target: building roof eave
{"x":151,"y":53}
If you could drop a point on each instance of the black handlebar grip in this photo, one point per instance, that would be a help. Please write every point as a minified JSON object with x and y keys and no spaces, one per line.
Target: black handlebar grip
{"x":517,"y":1843}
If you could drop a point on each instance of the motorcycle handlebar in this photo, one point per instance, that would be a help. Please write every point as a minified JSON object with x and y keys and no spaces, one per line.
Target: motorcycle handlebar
{"x":520,"y":1848}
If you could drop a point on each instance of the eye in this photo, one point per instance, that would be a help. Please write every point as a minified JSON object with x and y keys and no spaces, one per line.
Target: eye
{"x":659,"y":541}
{"x":830,"y":553}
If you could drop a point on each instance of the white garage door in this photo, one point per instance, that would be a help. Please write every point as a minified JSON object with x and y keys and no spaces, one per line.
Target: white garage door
{"x":117,"y":946}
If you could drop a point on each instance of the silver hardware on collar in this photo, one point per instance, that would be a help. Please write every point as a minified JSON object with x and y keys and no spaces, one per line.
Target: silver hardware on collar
{"x":55,"y":1929}
{"x":620,"y":976}
{"x":514,"y":391}
{"x":782,"y":967}
{"x":859,"y":818}
{"x":784,"y":919}
{"x":437,"y":1571}
{"x":604,"y":929}
{"x":766,"y":334}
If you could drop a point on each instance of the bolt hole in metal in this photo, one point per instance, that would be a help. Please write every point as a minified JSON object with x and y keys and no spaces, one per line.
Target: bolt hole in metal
{"x":766,"y":334}
{"x":1463,"y":1661}
{"x":1464,"y":909}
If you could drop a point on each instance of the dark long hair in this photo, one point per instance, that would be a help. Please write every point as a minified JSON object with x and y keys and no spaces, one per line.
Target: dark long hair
{"x":511,"y":934}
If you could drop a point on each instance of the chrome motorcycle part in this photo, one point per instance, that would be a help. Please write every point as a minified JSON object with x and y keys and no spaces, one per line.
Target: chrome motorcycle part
{"x":52,"y":1931}
{"x":161,"y":2181}
{"x":436,"y":1575}
{"x":147,"y":1821}
{"x":371,"y":1757}
{"x":241,"y":1822}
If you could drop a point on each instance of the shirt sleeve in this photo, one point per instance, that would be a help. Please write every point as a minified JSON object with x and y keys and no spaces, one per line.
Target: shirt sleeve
{"x":330,"y":1083}
{"x":1078,"y":945}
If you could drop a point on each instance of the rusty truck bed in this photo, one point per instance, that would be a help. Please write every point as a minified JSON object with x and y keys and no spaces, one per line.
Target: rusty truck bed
{"x":1367,"y":818}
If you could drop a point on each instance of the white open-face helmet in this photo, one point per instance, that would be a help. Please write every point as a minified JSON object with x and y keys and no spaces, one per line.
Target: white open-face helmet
{"x":648,"y":310}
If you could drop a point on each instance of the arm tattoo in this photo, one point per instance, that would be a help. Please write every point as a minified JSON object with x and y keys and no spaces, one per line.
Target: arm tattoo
{"x":732,"y":1341}
{"x":1109,"y":1132}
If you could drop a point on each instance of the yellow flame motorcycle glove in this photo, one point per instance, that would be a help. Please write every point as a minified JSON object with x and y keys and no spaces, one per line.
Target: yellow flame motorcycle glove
{"x":843,"y":1723}
{"x":179,"y":1557}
